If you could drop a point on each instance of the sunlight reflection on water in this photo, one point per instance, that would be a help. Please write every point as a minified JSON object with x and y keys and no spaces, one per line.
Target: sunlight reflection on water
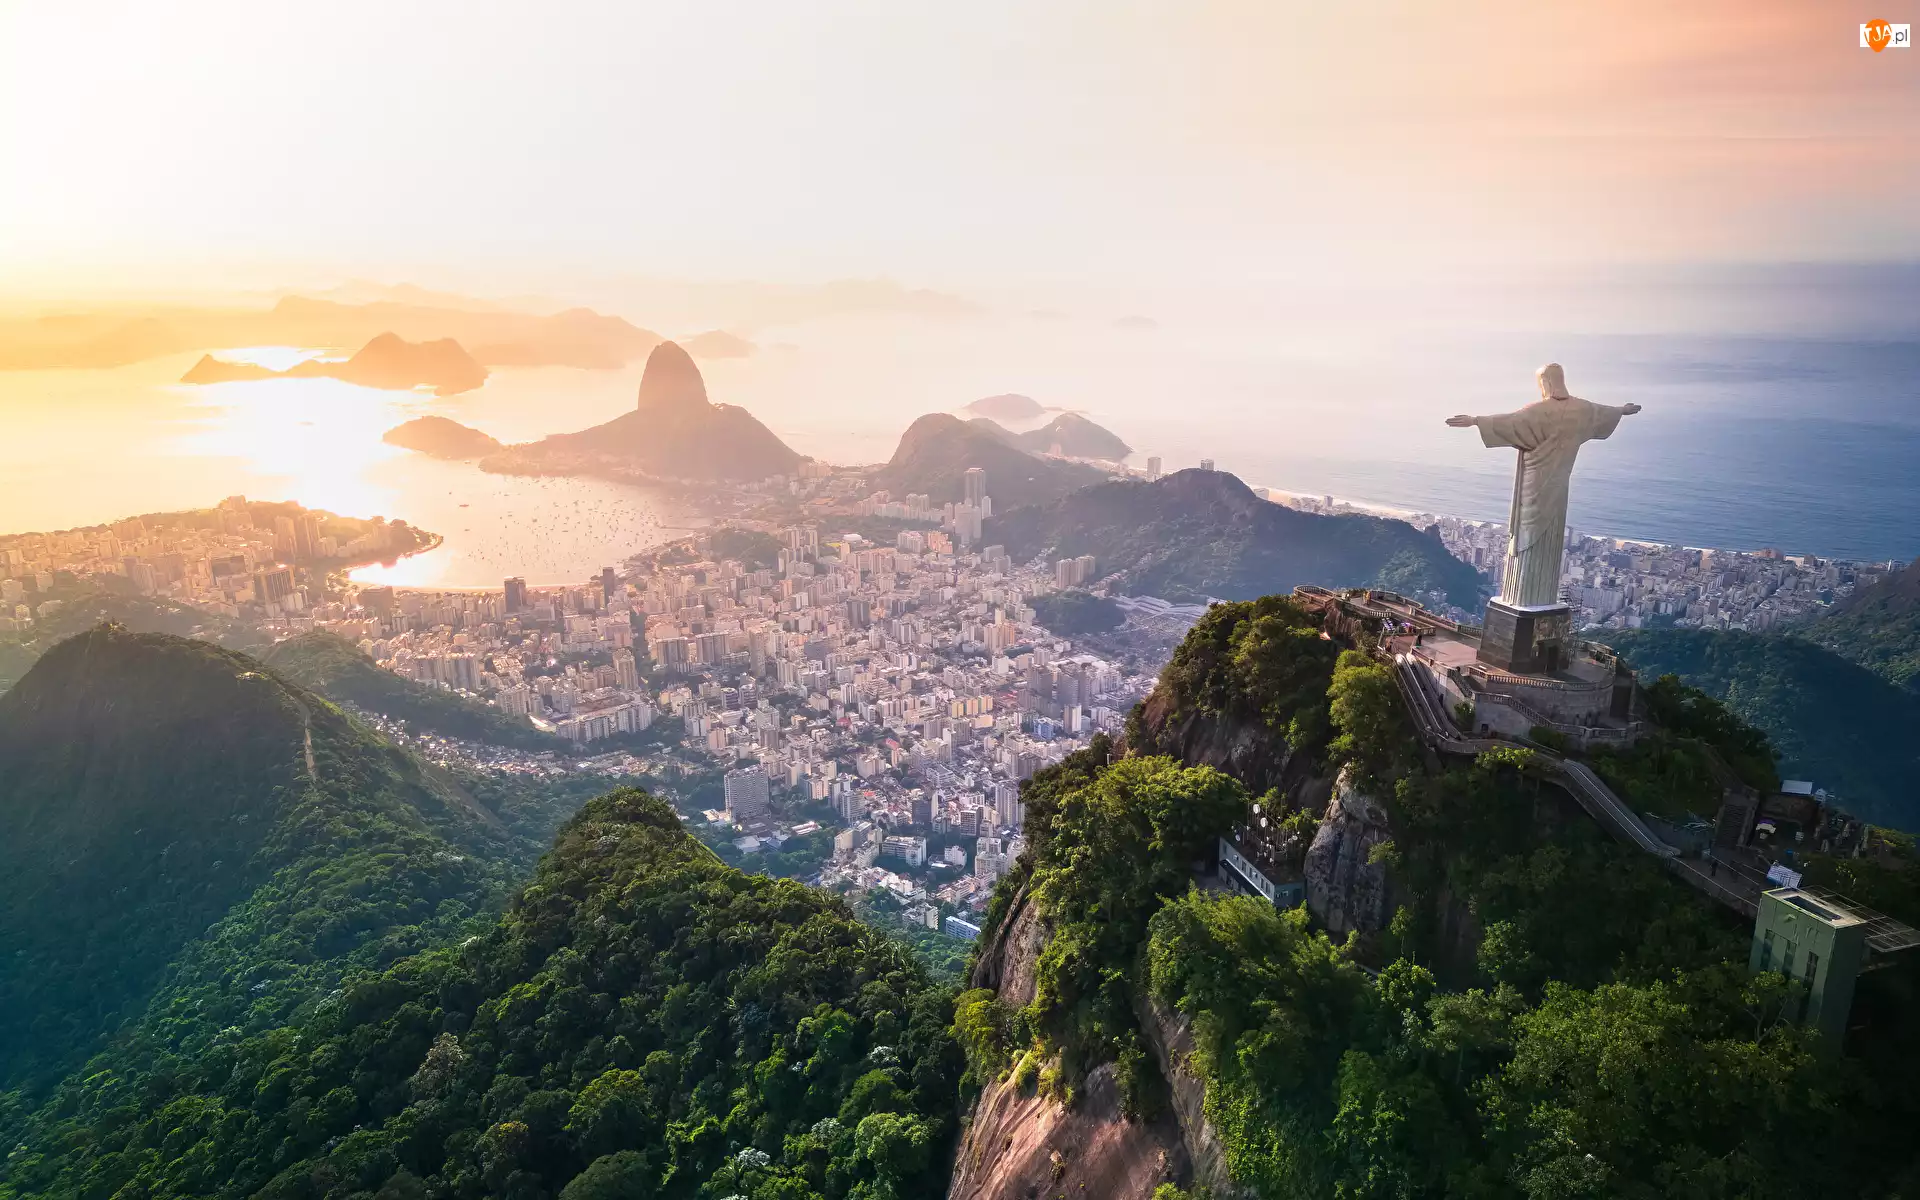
{"x":88,"y":447}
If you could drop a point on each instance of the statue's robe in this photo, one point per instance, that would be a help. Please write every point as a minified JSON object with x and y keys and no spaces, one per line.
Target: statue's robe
{"x":1548,"y":434}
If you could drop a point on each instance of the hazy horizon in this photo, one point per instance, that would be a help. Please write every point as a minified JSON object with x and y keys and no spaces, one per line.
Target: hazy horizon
{"x":1339,"y":229}
{"x":1130,"y":152}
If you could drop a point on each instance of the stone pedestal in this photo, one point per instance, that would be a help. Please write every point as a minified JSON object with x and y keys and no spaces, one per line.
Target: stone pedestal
{"x":1527,"y":640}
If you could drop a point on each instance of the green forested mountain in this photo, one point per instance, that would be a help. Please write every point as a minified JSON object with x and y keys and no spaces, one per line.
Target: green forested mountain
{"x":936,"y":450}
{"x":1836,"y":723}
{"x":1879,"y":628}
{"x":1204,"y":533}
{"x":337,"y":670}
{"x":248,"y":950}
{"x":189,"y":842}
{"x":643,"y":1022}
{"x":1545,"y":1014}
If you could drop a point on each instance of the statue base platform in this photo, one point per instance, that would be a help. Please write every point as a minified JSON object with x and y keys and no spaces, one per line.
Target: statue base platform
{"x":1527,"y":640}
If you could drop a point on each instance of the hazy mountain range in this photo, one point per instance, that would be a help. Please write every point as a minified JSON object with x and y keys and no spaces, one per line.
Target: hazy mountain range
{"x":577,"y":337}
{"x":388,"y":361}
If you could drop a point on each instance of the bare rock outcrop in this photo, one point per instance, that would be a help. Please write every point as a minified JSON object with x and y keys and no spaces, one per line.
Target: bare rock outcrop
{"x":1006,"y":960}
{"x":1021,"y":1146}
{"x":1345,"y":890}
{"x":1246,"y":750}
{"x":1171,"y":1037}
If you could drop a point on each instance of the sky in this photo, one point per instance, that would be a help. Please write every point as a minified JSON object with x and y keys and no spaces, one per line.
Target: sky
{"x":1096,"y":144}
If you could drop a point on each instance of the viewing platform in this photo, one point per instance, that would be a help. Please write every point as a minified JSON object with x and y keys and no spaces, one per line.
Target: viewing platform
{"x":1588,"y":700}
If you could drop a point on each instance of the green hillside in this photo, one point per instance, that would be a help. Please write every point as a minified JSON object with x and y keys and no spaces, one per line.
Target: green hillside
{"x":1204,"y":533}
{"x":1074,"y":612}
{"x":643,"y":1022}
{"x":337,"y":670}
{"x":1537,"y":1011}
{"x":1879,"y":628}
{"x":185,"y":835}
{"x":1838,"y":724}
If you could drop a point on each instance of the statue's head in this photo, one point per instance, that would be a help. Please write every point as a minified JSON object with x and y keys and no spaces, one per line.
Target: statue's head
{"x":1553,"y":382}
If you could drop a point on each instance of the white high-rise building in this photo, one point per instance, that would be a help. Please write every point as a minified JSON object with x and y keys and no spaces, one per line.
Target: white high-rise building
{"x":748,"y":796}
{"x":1007,"y":807}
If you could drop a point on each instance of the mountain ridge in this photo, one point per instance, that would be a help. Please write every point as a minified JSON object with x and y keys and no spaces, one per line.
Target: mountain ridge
{"x":335,"y":668}
{"x":387,"y":361}
{"x":1878,"y":627}
{"x":290,"y":834}
{"x":1077,"y":437}
{"x":1834,"y":721}
{"x":935,"y":452}
{"x":673,"y":431}
{"x":1194,"y":534}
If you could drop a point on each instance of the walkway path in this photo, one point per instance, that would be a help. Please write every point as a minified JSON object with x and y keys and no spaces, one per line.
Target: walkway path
{"x":1439,"y":731}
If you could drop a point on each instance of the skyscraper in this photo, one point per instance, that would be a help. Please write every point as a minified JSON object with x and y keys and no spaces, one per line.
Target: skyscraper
{"x":976,"y":484}
{"x":1007,"y":808}
{"x":1206,"y":464}
{"x":609,"y":583}
{"x":1153,"y":468}
{"x":516,"y":595}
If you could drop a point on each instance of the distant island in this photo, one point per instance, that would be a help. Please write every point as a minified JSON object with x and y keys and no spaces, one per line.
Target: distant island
{"x":388,"y":361}
{"x":441,"y":438}
{"x":673,"y":433}
{"x":717,"y":343}
{"x":1009,"y":407}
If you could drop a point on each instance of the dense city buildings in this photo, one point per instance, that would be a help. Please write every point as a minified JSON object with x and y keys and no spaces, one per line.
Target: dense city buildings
{"x":887,"y":693}
{"x":837,"y":664}
{"x":246,"y":560}
{"x":1617,"y":583}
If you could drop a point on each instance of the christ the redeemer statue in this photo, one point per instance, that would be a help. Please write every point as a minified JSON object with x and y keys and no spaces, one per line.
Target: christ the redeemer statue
{"x":1548,"y":434}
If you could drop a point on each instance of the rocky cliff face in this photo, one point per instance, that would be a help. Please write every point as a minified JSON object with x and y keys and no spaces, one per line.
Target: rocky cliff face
{"x":1249,"y":753}
{"x":1021,"y":1145}
{"x":1007,"y":958}
{"x":671,"y":382}
{"x":1345,"y":891}
{"x":1171,"y":1038}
